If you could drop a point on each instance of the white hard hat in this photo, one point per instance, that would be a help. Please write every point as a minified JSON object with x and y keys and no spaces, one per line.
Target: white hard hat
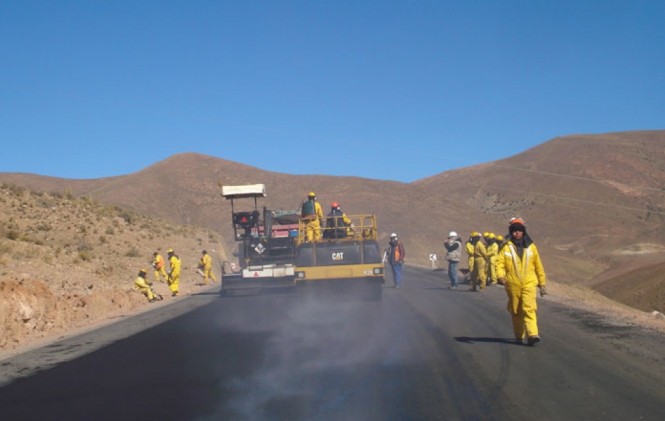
{"x":452,"y":234}
{"x":393,"y":235}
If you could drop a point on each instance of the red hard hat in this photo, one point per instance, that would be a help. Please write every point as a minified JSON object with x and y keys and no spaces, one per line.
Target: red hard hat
{"x":334,"y":205}
{"x":517,"y":220}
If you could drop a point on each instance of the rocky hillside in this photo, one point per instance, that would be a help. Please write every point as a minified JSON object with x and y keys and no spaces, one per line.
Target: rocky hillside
{"x":68,"y":262}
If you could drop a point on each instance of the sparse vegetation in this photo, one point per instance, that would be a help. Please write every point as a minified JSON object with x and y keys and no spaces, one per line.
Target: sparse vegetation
{"x":63,"y":251}
{"x":133,"y":252}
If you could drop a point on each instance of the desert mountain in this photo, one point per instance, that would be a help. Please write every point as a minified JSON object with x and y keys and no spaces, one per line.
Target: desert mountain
{"x":594,"y":203}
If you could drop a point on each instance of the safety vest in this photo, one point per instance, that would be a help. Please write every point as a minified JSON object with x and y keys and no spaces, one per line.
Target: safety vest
{"x":336,"y":226}
{"x":159,"y":262}
{"x":455,"y":255}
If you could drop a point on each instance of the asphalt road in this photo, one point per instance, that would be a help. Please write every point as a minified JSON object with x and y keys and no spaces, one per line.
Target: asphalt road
{"x":425,"y":352}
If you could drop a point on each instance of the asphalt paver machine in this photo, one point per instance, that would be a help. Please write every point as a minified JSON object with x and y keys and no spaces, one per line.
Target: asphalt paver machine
{"x":266,"y":242}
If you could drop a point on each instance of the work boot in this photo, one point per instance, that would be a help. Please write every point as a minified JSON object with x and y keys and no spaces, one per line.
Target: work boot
{"x":533,"y":340}
{"x":174,"y":294}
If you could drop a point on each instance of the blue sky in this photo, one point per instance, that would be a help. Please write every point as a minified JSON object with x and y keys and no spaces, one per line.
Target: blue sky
{"x":397,"y":90}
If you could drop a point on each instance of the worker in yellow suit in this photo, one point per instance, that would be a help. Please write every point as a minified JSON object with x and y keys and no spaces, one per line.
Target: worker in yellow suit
{"x":205,"y":264}
{"x":492,"y":250}
{"x":142,"y":285}
{"x":468,"y":247}
{"x":499,"y":244}
{"x":312,"y":214}
{"x":160,"y":267}
{"x":479,"y":274}
{"x":521,"y":270}
{"x":174,"y":272}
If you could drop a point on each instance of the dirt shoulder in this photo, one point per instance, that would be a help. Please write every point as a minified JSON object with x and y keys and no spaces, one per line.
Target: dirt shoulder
{"x":585,"y":299}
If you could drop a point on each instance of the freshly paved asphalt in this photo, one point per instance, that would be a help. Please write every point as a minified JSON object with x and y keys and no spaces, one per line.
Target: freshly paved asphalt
{"x":425,"y":352}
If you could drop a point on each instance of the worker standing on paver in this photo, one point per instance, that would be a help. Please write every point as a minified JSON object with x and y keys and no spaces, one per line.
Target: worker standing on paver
{"x":312,"y":214}
{"x":338,"y":225}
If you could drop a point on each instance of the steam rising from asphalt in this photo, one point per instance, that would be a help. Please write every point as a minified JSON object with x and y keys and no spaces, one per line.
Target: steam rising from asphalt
{"x":316,"y":340}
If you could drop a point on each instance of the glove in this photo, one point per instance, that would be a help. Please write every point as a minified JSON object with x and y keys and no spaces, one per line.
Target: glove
{"x":543,"y":291}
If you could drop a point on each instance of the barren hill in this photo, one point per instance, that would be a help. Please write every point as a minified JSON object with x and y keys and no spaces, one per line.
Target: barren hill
{"x":68,"y":263}
{"x":592,"y":202}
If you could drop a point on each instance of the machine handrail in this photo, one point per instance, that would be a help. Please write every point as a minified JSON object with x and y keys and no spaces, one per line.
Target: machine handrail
{"x":362,"y":227}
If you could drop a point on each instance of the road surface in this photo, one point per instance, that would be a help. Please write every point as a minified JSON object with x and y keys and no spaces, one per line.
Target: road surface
{"x":425,"y":352}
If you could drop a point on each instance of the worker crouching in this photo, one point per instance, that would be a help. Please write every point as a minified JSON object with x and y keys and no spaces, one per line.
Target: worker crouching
{"x":145,"y":287}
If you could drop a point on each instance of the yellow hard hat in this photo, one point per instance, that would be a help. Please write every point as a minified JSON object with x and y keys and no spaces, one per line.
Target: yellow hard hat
{"x":311,"y":194}
{"x":499,"y":237}
{"x":486,"y":234}
{"x":169,"y":251}
{"x":475,"y":234}
{"x":491,"y":235}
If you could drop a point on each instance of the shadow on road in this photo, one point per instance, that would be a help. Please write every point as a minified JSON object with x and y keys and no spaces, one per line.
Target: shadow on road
{"x":470,"y":340}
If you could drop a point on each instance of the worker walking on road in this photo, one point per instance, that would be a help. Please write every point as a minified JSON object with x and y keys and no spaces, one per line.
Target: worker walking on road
{"x":492,"y":250}
{"x":468,"y":248}
{"x":160,"y":267}
{"x":499,"y":240}
{"x":519,"y":267}
{"x":479,"y":273}
{"x":396,"y":254}
{"x":206,"y":267}
{"x":174,"y":273}
{"x":453,"y":247}
{"x":312,"y":213}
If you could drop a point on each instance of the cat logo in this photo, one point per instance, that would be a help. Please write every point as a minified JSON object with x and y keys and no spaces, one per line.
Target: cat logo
{"x":338,"y":256}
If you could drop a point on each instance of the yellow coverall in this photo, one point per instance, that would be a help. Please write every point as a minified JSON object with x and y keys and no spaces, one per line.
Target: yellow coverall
{"x":313,"y":224}
{"x":174,"y":274}
{"x":468,"y":246}
{"x":143,"y":286}
{"x":479,"y":274}
{"x":206,"y":266}
{"x":522,"y":274}
{"x":160,"y":269}
{"x":492,"y":250}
